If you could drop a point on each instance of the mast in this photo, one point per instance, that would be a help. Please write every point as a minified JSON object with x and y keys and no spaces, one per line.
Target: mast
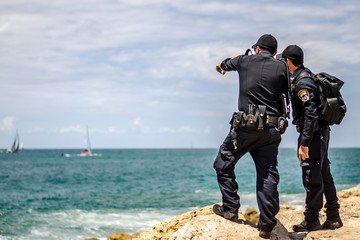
{"x":88,"y":140}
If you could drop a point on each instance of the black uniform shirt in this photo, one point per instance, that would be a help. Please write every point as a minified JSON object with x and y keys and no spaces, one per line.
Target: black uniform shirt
{"x":304,"y":99}
{"x":262,"y":81}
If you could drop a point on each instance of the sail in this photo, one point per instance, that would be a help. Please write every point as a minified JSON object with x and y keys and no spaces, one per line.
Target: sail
{"x":13,"y":147}
{"x":18,"y":142}
{"x":16,"y":145}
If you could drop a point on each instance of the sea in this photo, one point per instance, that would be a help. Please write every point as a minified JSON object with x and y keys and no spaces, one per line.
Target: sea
{"x":57,"y":194}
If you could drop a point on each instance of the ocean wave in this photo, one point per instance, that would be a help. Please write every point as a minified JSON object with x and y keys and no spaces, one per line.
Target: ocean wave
{"x":294,"y":200}
{"x":80,"y":224}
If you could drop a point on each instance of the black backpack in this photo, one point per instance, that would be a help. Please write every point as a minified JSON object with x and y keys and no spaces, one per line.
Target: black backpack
{"x":332,"y":108}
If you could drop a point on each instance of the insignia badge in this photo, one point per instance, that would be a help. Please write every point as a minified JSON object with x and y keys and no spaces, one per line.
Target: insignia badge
{"x":304,"y":95}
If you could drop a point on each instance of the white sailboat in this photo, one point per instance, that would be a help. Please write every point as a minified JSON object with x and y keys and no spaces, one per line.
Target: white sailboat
{"x":87,"y":152}
{"x":16,"y":145}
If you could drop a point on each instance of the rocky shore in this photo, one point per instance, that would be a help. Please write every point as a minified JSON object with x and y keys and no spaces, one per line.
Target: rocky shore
{"x":204,"y":224}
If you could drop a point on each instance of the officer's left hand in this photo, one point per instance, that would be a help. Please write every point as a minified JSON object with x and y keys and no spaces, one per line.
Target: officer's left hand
{"x":303,"y":153}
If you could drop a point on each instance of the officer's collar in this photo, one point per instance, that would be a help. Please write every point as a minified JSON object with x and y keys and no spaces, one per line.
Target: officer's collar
{"x":265,"y":52}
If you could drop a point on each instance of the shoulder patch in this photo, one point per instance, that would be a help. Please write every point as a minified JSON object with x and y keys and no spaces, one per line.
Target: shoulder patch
{"x":304,"y":95}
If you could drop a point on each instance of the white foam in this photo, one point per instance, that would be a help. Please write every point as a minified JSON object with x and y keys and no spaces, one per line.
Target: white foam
{"x":80,"y":224}
{"x":294,"y":200}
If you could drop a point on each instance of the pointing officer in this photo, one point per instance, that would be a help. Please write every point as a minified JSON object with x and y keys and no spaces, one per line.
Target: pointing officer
{"x":256,"y":129}
{"x":313,"y":143}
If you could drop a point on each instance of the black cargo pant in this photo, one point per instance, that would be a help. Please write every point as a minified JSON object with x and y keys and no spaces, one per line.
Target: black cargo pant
{"x":317,"y":178}
{"x":263,"y":147}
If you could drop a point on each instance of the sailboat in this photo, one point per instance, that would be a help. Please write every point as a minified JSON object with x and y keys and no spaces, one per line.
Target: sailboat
{"x":16,"y":145}
{"x":87,"y":151}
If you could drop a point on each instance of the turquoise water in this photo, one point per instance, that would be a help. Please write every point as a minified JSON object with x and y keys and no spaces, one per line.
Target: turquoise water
{"x":46,"y":195}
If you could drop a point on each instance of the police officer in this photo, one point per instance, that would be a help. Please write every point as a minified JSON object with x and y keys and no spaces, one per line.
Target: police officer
{"x":313,"y":145}
{"x":255,"y":129}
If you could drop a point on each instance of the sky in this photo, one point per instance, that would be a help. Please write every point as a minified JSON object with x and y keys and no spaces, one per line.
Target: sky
{"x":141,"y":74}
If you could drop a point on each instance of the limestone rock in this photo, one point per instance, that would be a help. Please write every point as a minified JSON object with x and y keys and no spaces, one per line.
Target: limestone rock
{"x":344,"y":233}
{"x":204,"y":224}
{"x":119,"y":236}
{"x":290,"y":216}
{"x":251,"y":215}
{"x":352,"y":192}
{"x":215,"y":227}
{"x":167,"y":228}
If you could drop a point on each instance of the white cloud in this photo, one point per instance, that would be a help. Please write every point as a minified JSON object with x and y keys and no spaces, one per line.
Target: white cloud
{"x":36,"y":130}
{"x":185,"y":130}
{"x":107,"y":131}
{"x":138,"y":125}
{"x":72,"y":129}
{"x":7,"y":123}
{"x":4,"y":26}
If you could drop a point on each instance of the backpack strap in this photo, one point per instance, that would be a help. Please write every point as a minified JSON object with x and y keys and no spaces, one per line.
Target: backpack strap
{"x":287,"y":98}
{"x":302,"y":75}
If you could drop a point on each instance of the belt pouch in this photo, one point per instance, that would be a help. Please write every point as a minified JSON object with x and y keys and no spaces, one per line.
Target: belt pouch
{"x":250,"y":120}
{"x":237,"y":120}
{"x":251,"y":117}
{"x":262,"y":110}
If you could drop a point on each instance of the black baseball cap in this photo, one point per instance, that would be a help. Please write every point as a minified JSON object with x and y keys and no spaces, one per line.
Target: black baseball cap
{"x":293,"y":52}
{"x":268,"y":42}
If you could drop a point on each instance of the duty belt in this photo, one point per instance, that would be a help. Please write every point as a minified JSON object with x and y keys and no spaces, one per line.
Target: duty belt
{"x":242,"y":120}
{"x":256,"y":118}
{"x":272,"y":121}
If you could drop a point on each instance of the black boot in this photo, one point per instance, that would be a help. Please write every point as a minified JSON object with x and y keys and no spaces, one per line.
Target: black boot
{"x":332,"y":223}
{"x":307,"y":226}
{"x":219,"y":210}
{"x":264,"y":234}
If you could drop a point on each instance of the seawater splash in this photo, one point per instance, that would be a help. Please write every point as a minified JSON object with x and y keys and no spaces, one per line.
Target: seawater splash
{"x":80,"y":224}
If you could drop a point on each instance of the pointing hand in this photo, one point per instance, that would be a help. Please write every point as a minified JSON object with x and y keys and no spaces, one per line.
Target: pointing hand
{"x":219,"y":69}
